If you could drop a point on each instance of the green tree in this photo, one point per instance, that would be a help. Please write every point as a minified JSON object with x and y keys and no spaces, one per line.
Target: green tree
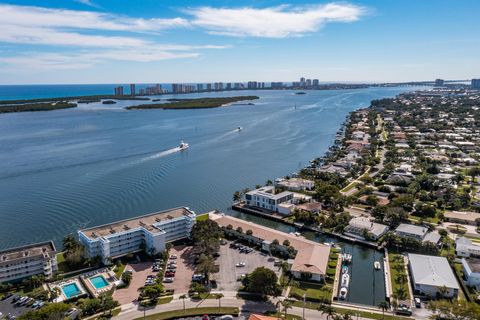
{"x":328,"y":310}
{"x":219,"y":298}
{"x":384,"y":306}
{"x":249,"y":232}
{"x":153,"y":292}
{"x":51,"y":311}
{"x":206,"y":266}
{"x":206,"y":236}
{"x":263,"y":281}
{"x":183,"y":297}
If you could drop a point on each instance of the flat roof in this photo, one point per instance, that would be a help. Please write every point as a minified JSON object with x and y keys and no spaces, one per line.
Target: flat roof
{"x":147,"y":221}
{"x":432,"y":271}
{"x":269,"y":192}
{"x":30,"y":250}
{"x":412,"y":229}
{"x":474,"y":264}
{"x":463,"y":215}
{"x":311,"y":256}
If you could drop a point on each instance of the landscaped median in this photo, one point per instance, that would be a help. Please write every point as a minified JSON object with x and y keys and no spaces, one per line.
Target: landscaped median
{"x":191,"y":313}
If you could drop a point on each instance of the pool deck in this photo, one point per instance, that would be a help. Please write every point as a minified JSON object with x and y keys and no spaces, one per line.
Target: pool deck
{"x":108,"y":275}
{"x":62,"y":296}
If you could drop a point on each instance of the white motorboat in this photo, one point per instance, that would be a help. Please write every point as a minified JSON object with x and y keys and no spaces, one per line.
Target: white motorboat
{"x":239,"y":129}
{"x":345,"y":280}
{"x":344,"y":269}
{"x":183,"y":145}
{"x":377,"y":265}
{"x":343,"y":293}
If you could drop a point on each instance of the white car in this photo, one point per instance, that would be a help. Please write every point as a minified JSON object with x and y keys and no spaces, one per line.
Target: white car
{"x":173,"y":257}
{"x":168,"y":280}
{"x":240,"y":264}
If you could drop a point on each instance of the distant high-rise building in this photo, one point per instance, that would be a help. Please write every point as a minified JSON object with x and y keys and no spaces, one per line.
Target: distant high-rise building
{"x":252,"y":85}
{"x":158,"y":88}
{"x":218,"y":86}
{"x":308,"y":83}
{"x":132,"y":89}
{"x":302,"y":80}
{"x":237,"y":85}
{"x":229,"y":86}
{"x":209,"y":87}
{"x":315,"y":82}
{"x":276,"y":85}
{"x":199,"y":86}
{"x":118,"y":91}
{"x":439,"y":82}
{"x":475,"y":83}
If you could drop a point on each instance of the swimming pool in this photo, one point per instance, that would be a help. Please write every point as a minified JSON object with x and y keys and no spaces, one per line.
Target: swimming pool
{"x":99,"y":282}
{"x":71,"y":290}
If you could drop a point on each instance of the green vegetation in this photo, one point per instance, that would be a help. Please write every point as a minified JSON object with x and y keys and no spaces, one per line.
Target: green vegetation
{"x":398,"y":276}
{"x":191,"y":313}
{"x":313,"y":292}
{"x":119,"y":268}
{"x":90,"y":306}
{"x":49,"y":311}
{"x":47,"y":106}
{"x":94,"y":97}
{"x":199,"y":103}
{"x":444,"y":309}
{"x":202,"y":217}
{"x":262,"y":281}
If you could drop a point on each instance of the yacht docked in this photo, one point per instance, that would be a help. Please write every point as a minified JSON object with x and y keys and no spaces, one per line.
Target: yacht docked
{"x":343,"y":293}
{"x":377,"y":265}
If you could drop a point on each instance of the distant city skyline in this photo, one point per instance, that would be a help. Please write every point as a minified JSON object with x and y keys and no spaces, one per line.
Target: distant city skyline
{"x":106,"y":41}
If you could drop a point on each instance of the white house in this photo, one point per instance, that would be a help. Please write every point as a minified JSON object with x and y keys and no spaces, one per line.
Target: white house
{"x":357,"y":227}
{"x":471,"y":270}
{"x":431,"y":273}
{"x":419,"y":233}
{"x":464,"y":247}
{"x":266,"y":198}
{"x":26,"y":261}
{"x":151,"y":231}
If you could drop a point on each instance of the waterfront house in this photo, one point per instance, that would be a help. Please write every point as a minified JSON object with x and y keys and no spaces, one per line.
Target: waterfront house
{"x":419,"y":233}
{"x":26,"y":261}
{"x":358,"y":227}
{"x":266,"y":198}
{"x":152,"y":231}
{"x":471,"y":271}
{"x":431,"y":273}
{"x":465,"y":247}
{"x":311,"y":259}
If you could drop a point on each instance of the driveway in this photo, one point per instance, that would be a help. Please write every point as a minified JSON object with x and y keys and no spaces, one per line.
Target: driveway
{"x":140,"y":272}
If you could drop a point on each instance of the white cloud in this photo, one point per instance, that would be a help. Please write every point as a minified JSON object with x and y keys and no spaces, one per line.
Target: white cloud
{"x":85,"y":38}
{"x":38,"y":17}
{"x":274,"y":22}
{"x":88,"y":3}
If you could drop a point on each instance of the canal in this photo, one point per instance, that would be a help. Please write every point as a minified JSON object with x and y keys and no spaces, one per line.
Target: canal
{"x":367,"y":285}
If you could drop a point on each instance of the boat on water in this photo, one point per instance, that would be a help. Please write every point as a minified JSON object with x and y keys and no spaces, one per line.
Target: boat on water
{"x":239,"y":128}
{"x":343,"y":293}
{"x":346,"y":258}
{"x":345,"y":280}
{"x":377,"y":265}
{"x":344,"y":269}
{"x":183,"y":145}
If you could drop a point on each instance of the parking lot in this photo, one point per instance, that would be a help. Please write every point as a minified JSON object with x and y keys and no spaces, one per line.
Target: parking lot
{"x":184,"y":271}
{"x":140,"y":271}
{"x":8,"y":307}
{"x":229,"y":273}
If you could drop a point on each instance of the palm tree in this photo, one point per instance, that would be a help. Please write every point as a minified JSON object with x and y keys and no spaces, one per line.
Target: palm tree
{"x":183,"y":297}
{"x":328,"y":310}
{"x":219,"y":297}
{"x":384,"y":306}
{"x":287,"y":304}
{"x":442,"y":291}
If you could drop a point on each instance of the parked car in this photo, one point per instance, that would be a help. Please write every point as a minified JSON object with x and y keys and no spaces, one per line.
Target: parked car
{"x":169,"y":274}
{"x":418,"y":303}
{"x":168,"y":280}
{"x":240,"y":264}
{"x":173,"y":257}
{"x":205,"y":317}
{"x":226,"y":317}
{"x":8,"y":295}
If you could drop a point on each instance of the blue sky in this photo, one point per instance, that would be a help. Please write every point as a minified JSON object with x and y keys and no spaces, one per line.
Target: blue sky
{"x":149,"y":41}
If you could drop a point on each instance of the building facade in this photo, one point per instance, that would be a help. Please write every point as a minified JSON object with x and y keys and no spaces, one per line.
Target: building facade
{"x":471,"y":271}
{"x":150,"y":232}
{"x":429,"y":274}
{"x":26,"y":261}
{"x":266,"y":198}
{"x":464,"y":247}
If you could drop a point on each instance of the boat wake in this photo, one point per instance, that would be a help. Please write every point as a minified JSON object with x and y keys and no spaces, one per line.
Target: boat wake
{"x":160,"y":154}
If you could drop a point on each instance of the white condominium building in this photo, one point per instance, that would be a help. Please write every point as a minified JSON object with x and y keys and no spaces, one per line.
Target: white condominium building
{"x":151,"y":231}
{"x":22,"y":262}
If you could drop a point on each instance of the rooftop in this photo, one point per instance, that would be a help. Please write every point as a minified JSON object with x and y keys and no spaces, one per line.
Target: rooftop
{"x":269,"y":192}
{"x":148,"y":222}
{"x":473,"y":264}
{"x":432,"y":271}
{"x":463,"y":215}
{"x":311,"y":256}
{"x":46,"y":249}
{"x":412,"y":229}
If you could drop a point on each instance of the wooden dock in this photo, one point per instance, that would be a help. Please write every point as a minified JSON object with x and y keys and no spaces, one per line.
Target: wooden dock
{"x":338,"y":271}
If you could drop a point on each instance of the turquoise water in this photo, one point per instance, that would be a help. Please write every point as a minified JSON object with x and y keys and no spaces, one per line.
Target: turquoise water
{"x":99,"y":282}
{"x":71,"y":290}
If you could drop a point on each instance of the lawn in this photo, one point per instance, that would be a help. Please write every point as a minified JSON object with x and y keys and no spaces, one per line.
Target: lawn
{"x":191,"y":312}
{"x":62,"y":264}
{"x":398,"y":276}
{"x":119,"y":270}
{"x":313,"y":292}
{"x":202,"y":217}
